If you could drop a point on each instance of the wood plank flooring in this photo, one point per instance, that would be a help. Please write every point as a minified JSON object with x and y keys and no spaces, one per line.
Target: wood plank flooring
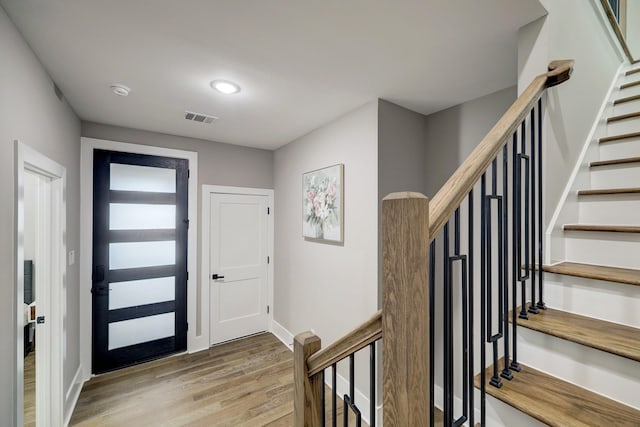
{"x":248,"y":382}
{"x":609,"y":191}
{"x":602,"y":228}
{"x":600,"y":272}
{"x":613,"y":338}
{"x":559,"y":403}
{"x":30,"y":390}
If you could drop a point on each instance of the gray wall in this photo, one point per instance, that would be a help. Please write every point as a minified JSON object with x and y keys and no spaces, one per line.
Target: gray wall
{"x":401,"y":154}
{"x":218,"y":163}
{"x":330,"y":288}
{"x":31,"y":112}
{"x":453,"y":133}
{"x":401,"y":149}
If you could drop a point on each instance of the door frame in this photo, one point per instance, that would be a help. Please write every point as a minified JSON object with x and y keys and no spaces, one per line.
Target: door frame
{"x":207,"y":190}
{"x":195,"y":341}
{"x":53,"y":261}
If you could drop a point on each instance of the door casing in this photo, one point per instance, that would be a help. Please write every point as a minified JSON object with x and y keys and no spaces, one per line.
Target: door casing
{"x":196,"y":341}
{"x":207,"y":190}
{"x":53,"y":260}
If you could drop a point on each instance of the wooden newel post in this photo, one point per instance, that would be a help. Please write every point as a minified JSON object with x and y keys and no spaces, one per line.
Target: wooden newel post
{"x":405,"y":309}
{"x":307,"y":391}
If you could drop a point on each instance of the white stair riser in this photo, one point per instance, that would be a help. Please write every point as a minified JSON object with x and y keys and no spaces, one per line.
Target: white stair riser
{"x":628,"y":78}
{"x":616,"y":176}
{"x":629,"y":91}
{"x":610,"y":209}
{"x":626,"y":108}
{"x":613,"y":302}
{"x":603,"y":373}
{"x":500,"y":414}
{"x":620,"y":127}
{"x":611,"y":249}
{"x":620,"y":149}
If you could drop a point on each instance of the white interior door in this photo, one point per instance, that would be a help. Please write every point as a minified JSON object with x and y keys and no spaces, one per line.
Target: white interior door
{"x":238,"y":266}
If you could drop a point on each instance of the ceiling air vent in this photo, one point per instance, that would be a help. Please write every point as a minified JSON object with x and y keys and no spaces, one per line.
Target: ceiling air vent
{"x":199,"y":117}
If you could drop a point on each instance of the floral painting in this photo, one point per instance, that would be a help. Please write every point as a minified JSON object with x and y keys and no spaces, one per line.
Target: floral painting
{"x":322,"y":201}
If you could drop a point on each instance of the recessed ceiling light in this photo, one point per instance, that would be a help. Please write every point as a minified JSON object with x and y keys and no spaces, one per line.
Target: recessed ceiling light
{"x":120,"y":90}
{"x":225,"y":86}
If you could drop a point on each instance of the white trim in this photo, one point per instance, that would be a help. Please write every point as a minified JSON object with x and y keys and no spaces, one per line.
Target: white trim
{"x":204,"y":260}
{"x":49,"y":402}
{"x":88,"y":145}
{"x":72,"y":395}
{"x":282,"y":334}
{"x":570,"y":189}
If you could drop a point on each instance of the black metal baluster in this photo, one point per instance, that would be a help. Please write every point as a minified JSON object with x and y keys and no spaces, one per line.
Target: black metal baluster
{"x":483,"y":320}
{"x":334,"y":394}
{"x":515,"y":243}
{"x":448,"y":339}
{"x":493,"y":338}
{"x":372,"y":384}
{"x":523,"y":278}
{"x":470,"y":290}
{"x":506,"y":372}
{"x":540,"y":304}
{"x":532,"y":308}
{"x":457,"y":256}
{"x":349,"y":400}
{"x":432,"y":281}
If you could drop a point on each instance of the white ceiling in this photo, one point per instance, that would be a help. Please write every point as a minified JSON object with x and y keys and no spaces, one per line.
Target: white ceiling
{"x":300,"y":63}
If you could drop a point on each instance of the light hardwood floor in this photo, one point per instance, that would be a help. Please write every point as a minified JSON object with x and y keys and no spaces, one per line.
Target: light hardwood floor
{"x":243,"y":383}
{"x":30,"y":390}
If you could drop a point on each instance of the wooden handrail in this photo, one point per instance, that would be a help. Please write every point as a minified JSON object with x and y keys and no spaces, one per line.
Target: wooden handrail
{"x":357,"y":339}
{"x":616,"y":29}
{"x":453,"y":192}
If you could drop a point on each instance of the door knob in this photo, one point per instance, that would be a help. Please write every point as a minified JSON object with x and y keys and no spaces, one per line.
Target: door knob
{"x":216,"y":277}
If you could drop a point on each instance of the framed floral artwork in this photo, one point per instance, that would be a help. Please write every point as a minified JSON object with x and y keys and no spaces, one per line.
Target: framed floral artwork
{"x":322,"y":204}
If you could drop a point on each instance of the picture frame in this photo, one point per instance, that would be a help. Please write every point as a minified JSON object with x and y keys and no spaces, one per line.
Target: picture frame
{"x":323,"y":204}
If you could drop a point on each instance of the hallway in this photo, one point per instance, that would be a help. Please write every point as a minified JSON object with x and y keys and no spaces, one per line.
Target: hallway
{"x":247,"y":382}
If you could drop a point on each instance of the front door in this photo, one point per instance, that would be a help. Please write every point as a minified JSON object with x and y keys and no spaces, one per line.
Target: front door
{"x":238,"y":275}
{"x":139,"y":280}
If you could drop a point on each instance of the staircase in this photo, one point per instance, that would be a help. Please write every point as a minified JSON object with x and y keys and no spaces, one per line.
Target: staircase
{"x":465,"y":328}
{"x":588,"y":340}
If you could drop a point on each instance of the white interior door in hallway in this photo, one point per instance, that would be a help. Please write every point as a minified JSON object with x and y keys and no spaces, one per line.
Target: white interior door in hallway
{"x":238,"y":265}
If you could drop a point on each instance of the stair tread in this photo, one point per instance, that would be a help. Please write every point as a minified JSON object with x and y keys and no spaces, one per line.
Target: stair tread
{"x":621,"y":161}
{"x":627,"y":99}
{"x":623,"y":117}
{"x":630,"y":84}
{"x":619,"y":137}
{"x":635,"y":70}
{"x":609,"y":337}
{"x":604,"y":191}
{"x":558,"y":403}
{"x":605,"y":228}
{"x":599,"y":272}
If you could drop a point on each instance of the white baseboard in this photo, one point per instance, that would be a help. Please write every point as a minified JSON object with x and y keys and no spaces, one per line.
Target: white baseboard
{"x":72,"y":395}
{"x":282,"y":334}
{"x":342,"y":384}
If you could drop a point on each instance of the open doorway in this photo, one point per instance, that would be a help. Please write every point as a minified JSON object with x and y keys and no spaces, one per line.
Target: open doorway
{"x":40,"y":250}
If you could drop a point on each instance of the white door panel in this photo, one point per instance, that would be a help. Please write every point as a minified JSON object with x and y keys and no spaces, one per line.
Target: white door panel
{"x":238,"y":242}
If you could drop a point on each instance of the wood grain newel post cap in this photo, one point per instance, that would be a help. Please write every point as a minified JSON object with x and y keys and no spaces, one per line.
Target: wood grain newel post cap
{"x":405,"y":195}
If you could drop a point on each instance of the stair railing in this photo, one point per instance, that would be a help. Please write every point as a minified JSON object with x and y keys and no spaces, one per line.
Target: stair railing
{"x":422,"y":243}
